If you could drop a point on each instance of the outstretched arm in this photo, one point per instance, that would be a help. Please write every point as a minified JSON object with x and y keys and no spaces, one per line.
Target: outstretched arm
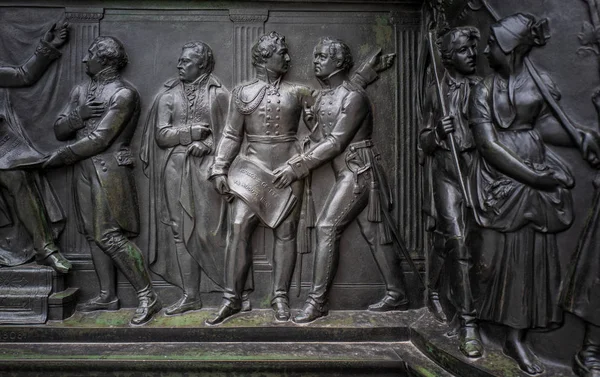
{"x":45,"y":53}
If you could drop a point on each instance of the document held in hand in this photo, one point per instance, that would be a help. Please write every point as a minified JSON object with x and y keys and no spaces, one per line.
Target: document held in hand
{"x":253,"y":184}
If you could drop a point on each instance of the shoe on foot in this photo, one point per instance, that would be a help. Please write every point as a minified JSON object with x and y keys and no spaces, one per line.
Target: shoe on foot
{"x":470,"y":342}
{"x":184,"y":304}
{"x":98,"y":303}
{"x":435,"y":308}
{"x":246,"y":304}
{"x":583,"y":368}
{"x":58,"y":262}
{"x":388,"y":303}
{"x":282,"y":310}
{"x":226,"y":311}
{"x":310,"y":312}
{"x":148,"y":306}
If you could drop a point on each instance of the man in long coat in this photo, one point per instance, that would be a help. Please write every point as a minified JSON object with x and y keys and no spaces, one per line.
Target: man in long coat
{"x":186,"y":213}
{"x":101,"y":117}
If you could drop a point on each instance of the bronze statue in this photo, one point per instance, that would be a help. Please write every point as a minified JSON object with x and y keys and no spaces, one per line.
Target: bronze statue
{"x":458,"y":48}
{"x":181,"y":134}
{"x":580,"y":292}
{"x":345,"y":118}
{"x":102,"y":116}
{"x":267,"y":112}
{"x":520,"y":188}
{"x":35,"y":204}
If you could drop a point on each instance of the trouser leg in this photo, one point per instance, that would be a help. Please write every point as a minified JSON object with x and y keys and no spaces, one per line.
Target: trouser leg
{"x":435,"y":264}
{"x":109,"y":237}
{"x":341,"y":207}
{"x":29,"y":210}
{"x":284,"y":257}
{"x":188,"y":267}
{"x":128,"y":259}
{"x":106,"y":273}
{"x":238,"y":255}
{"x":451,"y":227}
{"x":387,"y":259}
{"x":190,"y":273}
{"x":460,"y":267}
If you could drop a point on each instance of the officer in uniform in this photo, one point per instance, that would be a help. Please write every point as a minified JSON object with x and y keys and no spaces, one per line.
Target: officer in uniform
{"x":344,"y":112}
{"x":102,"y":116}
{"x":267,"y":112}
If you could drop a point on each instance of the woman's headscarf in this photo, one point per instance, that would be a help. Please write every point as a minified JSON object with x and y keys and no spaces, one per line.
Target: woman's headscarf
{"x":520,"y":29}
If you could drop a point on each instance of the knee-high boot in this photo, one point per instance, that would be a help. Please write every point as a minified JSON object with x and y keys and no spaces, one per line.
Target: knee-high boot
{"x":107,"y":279}
{"x":128,"y":258}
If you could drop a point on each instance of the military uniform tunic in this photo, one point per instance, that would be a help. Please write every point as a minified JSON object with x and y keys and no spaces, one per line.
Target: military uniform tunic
{"x":267,"y":114}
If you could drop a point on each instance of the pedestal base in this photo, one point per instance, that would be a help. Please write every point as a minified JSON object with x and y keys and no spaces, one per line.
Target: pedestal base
{"x":345,"y":343}
{"x":32,"y":294}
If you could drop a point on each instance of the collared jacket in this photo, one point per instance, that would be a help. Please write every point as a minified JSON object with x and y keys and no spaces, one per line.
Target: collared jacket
{"x":204,"y":211}
{"x":268,"y":113}
{"x":344,"y":117}
{"x":105,"y":141}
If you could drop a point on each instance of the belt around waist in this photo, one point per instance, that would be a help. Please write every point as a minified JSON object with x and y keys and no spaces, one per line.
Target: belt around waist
{"x":361,"y":144}
{"x":268,"y":139}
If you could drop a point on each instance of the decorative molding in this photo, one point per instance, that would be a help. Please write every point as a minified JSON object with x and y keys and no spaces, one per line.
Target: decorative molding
{"x":84,"y":14}
{"x":249,"y":16}
{"x":405,"y":19}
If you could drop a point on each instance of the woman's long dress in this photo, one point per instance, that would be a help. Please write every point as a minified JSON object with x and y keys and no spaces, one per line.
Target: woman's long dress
{"x":516,"y":266}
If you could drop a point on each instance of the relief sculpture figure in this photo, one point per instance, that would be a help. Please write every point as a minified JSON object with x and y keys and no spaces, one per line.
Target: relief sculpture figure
{"x":267,"y":113}
{"x":100,"y":119}
{"x":181,"y":135}
{"x":33,"y":200}
{"x":458,"y":48}
{"x":520,"y":188}
{"x":344,"y":117}
{"x":580,"y":290}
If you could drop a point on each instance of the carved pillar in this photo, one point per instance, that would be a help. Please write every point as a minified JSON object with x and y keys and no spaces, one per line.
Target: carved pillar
{"x":408,"y":177}
{"x":85,"y":27}
{"x":248,"y":25}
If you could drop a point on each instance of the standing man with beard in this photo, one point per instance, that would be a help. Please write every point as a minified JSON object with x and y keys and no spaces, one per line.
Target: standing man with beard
{"x":459,"y":55}
{"x":345,"y":116}
{"x":102,"y":116}
{"x":183,"y":128}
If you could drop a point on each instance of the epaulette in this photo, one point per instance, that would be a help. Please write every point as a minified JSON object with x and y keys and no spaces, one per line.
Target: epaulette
{"x":352,"y":87}
{"x":248,"y":107}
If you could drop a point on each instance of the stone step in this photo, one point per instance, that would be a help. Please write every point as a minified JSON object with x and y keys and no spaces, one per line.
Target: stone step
{"x":429,"y":336}
{"x":61,"y":304}
{"x":207,"y":358}
{"x":254,"y":326}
